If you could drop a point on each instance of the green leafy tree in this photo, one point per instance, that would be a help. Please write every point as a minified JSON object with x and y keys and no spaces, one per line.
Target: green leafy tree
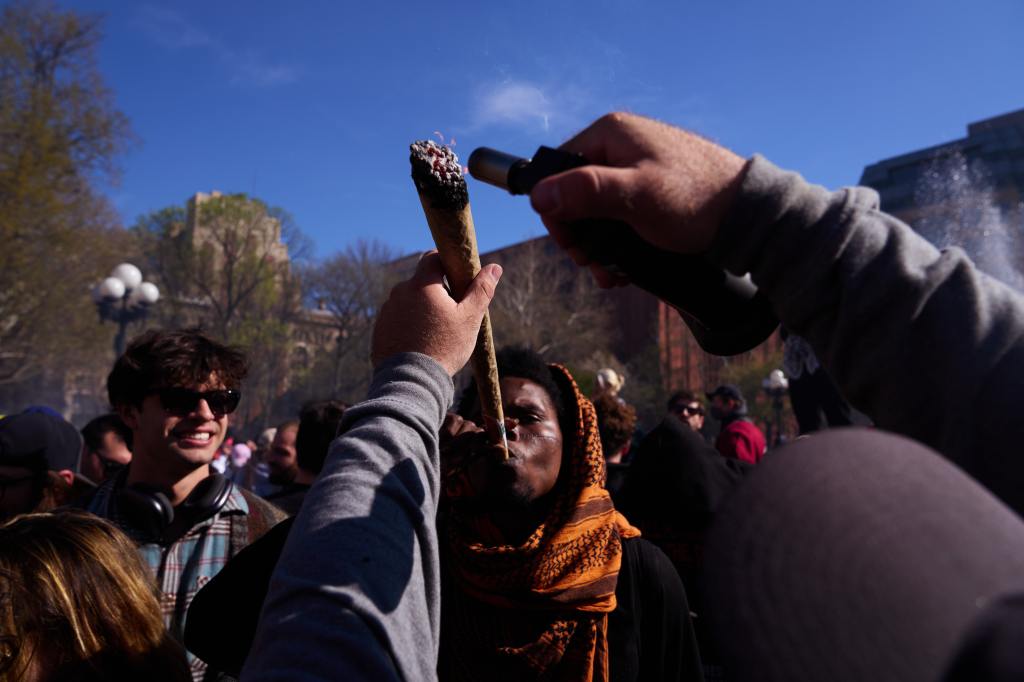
{"x":223,"y":258}
{"x":60,"y":134}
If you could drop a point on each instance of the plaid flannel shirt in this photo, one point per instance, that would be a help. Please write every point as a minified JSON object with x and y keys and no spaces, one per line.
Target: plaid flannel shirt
{"x":184,"y":566}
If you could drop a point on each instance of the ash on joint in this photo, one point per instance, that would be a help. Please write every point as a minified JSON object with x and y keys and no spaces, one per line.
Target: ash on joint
{"x":438,"y":175}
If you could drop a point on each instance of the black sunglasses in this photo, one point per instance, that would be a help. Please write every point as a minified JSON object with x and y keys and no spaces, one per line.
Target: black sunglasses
{"x":183,"y":401}
{"x":691,"y":410}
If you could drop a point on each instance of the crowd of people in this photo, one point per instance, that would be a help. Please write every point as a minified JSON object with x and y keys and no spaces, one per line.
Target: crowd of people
{"x":391,"y":539}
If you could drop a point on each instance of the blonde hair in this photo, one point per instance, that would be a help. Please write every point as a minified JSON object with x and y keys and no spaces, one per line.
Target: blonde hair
{"x":609,"y":381}
{"x":77,"y":602}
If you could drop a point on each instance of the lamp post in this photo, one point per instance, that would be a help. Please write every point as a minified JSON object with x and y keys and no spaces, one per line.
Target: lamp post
{"x":776,"y":385}
{"x":123,"y":298}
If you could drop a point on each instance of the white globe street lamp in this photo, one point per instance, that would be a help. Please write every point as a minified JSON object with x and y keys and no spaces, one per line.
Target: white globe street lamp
{"x":111,"y":288}
{"x":775,"y":382}
{"x":145,"y":294}
{"x":148,"y":293}
{"x":775,"y":385}
{"x":129,"y":274}
{"x":123,"y":298}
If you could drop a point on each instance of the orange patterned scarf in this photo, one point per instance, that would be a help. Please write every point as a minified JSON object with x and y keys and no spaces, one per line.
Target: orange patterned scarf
{"x":540,"y":610}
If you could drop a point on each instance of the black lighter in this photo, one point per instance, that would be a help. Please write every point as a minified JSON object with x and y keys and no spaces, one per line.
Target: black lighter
{"x":726,"y":313}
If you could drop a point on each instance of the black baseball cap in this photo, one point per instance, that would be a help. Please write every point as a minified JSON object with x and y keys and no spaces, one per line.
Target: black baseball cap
{"x":28,"y":438}
{"x":727,"y":391}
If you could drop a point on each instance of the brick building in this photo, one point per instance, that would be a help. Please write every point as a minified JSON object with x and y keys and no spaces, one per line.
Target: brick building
{"x":641,"y":320}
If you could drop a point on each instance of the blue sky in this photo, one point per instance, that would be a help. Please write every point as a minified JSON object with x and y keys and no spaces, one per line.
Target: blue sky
{"x":311,"y":106}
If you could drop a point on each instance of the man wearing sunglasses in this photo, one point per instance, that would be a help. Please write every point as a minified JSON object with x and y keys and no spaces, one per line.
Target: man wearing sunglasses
{"x":685,"y":405}
{"x":107,"y":448}
{"x":175,"y":390}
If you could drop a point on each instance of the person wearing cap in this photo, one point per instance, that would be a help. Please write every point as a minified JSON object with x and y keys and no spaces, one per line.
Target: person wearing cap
{"x":738,"y":438}
{"x":175,"y":390}
{"x":39,"y":460}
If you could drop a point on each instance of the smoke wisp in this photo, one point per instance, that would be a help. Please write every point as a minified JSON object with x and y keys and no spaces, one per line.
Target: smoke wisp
{"x":959,"y":208}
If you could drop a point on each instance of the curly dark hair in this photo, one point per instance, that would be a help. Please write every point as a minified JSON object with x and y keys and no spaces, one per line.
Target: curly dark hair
{"x":524,"y":363}
{"x":318,"y":427}
{"x":615,"y":421}
{"x":182,"y":357}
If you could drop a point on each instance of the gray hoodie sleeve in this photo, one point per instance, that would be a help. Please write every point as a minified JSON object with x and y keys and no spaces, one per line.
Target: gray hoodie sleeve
{"x":918,"y":339}
{"x":356,"y":593}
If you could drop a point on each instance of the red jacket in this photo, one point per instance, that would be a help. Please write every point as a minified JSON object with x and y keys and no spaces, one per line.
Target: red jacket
{"x":740,"y":439}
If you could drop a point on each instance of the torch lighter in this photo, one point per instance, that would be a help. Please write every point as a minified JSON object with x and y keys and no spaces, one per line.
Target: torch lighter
{"x":725,"y":312}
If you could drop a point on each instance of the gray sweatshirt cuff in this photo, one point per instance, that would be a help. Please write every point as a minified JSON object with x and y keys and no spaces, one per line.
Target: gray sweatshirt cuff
{"x":789,"y":235}
{"x":417,"y":377}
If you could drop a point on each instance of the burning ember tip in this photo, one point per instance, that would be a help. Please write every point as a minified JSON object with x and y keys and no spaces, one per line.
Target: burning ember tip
{"x":437,"y":173}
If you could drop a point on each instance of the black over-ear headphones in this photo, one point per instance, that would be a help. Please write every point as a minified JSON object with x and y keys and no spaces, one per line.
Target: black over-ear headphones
{"x":149,"y":510}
